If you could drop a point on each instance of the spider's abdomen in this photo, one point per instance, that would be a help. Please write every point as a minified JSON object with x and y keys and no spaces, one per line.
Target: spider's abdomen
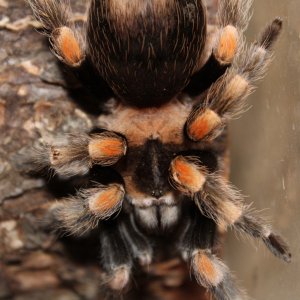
{"x":146,"y":50}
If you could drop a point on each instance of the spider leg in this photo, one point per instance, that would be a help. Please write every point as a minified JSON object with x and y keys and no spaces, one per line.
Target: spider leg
{"x":66,"y":42}
{"x":75,"y":153}
{"x":121,"y":244}
{"x":226,"y":97}
{"x":221,"y":202}
{"x":197,"y":240}
{"x":232,"y":20}
{"x":81,"y":213}
{"x":138,"y":244}
{"x":116,"y":259}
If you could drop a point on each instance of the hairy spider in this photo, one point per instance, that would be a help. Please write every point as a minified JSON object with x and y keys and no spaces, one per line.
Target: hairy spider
{"x":157,"y":160}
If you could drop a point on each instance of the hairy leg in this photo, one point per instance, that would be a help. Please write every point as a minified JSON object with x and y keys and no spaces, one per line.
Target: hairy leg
{"x":197,"y":243}
{"x":221,"y":202}
{"x":226,"y":97}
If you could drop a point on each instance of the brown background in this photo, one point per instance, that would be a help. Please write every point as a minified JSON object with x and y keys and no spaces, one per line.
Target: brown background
{"x":265,"y":150}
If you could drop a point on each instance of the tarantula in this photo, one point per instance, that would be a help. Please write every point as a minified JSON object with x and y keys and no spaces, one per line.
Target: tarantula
{"x":157,"y":160}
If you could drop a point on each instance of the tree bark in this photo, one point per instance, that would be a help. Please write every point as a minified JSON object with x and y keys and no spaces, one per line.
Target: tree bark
{"x":38,"y":101}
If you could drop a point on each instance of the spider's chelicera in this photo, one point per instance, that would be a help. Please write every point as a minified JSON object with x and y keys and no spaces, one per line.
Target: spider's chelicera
{"x":157,"y":161}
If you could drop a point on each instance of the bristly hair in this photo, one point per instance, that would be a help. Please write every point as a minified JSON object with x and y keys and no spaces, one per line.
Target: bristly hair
{"x":146,"y":50}
{"x":235,"y":12}
{"x":52,"y":14}
{"x":77,"y":215}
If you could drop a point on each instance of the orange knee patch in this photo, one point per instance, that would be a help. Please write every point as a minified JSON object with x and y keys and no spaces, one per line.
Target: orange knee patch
{"x":106,"y":149}
{"x":68,"y":46}
{"x":205,"y":267}
{"x":186,"y":175}
{"x":207,"y":270}
{"x":203,"y":124}
{"x":228,"y":44}
{"x":107,"y":200}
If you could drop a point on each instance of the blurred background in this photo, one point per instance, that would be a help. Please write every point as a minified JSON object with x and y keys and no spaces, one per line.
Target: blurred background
{"x":265,"y":158}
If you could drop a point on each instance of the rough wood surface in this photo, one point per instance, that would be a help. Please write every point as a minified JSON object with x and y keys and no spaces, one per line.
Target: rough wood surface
{"x":39,"y":101}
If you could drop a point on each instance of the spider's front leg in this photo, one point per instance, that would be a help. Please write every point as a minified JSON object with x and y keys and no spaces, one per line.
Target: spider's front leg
{"x":75,"y":154}
{"x":81,"y":213}
{"x":197,"y":245}
{"x":219,"y":201}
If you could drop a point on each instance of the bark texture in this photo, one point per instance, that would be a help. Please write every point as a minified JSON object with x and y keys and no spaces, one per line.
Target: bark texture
{"x":39,"y":101}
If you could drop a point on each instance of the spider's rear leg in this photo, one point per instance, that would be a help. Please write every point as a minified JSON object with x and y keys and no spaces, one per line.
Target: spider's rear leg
{"x":218,"y":200}
{"x":76,"y":153}
{"x":197,"y":241}
{"x":232,"y":20}
{"x":226,"y":97}
{"x":66,"y":42}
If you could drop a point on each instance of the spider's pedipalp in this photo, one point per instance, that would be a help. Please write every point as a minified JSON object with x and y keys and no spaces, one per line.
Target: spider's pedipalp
{"x":116,"y":260}
{"x":122,"y":243}
{"x":81,"y":213}
{"x":140,"y":247}
{"x":226,"y":97}
{"x":76,"y":153}
{"x":55,"y":17}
